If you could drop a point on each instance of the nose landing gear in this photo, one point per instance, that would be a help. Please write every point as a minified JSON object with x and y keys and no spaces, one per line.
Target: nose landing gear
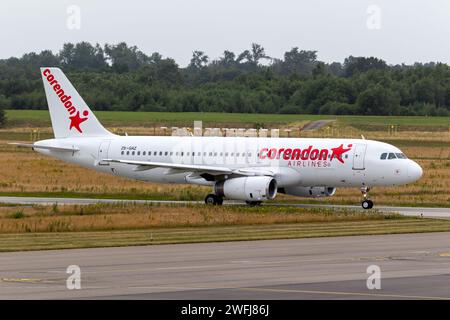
{"x":366,"y":203}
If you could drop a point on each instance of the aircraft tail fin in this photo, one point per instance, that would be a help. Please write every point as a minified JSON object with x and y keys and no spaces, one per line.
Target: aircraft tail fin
{"x":70,"y":115}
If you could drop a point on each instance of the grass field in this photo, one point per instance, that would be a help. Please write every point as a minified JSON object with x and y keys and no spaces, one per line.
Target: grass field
{"x":26,"y":173}
{"x":91,"y":239}
{"x":42,"y":118}
{"x":63,"y":227}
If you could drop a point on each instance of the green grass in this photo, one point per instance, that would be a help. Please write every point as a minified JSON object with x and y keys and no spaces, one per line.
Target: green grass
{"x":41,"y":118}
{"x":396,"y":120}
{"x":417,"y":143}
{"x":69,"y":240}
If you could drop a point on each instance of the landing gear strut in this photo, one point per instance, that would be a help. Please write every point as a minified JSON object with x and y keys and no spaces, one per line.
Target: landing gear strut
{"x":366,"y":203}
{"x":212,"y":199}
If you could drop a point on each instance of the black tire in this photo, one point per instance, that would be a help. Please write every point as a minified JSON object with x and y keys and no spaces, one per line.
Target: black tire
{"x":367,"y":204}
{"x":212,"y":199}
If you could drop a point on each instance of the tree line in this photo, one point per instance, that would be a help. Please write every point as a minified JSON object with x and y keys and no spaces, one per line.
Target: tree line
{"x":123,"y":78}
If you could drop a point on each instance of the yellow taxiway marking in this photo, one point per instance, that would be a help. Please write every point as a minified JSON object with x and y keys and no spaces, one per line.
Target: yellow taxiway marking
{"x":20,"y":280}
{"x":382,"y":295}
{"x":444,"y":254}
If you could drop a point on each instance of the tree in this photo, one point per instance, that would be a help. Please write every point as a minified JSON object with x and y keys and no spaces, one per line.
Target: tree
{"x":319,"y":69}
{"x":295,"y":61}
{"x":353,"y":65}
{"x":124,"y":58}
{"x":378,"y":100}
{"x":2,"y":116}
{"x":228,"y":59}
{"x":120,"y":77}
{"x":44,"y":58}
{"x":82,"y":56}
{"x":257,"y":54}
{"x":199,"y":60}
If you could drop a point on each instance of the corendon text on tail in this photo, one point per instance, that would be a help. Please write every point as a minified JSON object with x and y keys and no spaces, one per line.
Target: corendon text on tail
{"x":75,"y":119}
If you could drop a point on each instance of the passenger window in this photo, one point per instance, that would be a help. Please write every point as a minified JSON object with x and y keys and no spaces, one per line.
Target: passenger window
{"x":160,"y":153}
{"x":166,"y":153}
{"x":132,"y":153}
{"x":138,"y":153}
{"x":122,"y":152}
{"x":392,"y":156}
{"x":154,"y":153}
{"x":128,"y":153}
{"x":383,"y":156}
{"x":143,"y":153}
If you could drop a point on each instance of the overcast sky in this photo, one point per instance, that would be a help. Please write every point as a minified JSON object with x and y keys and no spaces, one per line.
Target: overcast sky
{"x":398,"y":31}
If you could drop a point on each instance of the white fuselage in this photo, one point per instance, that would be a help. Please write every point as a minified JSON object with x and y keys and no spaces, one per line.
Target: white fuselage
{"x":293,"y":161}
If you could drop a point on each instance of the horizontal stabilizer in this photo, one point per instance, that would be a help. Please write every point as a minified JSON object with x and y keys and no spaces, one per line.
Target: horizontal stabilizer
{"x":52,"y":148}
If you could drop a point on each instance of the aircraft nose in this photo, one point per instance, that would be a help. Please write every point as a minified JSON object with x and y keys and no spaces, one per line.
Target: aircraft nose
{"x":414,"y":171}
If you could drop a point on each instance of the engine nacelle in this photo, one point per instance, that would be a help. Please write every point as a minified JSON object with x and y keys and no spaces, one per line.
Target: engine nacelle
{"x":309,"y":192}
{"x":259,"y":188}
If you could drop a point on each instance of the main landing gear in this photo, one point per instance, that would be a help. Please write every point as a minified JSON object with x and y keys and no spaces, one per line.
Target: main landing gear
{"x":366,"y":203}
{"x":253,"y":203}
{"x":213,"y":199}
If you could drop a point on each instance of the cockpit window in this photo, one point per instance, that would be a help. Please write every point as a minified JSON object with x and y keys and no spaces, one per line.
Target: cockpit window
{"x":401,"y":156}
{"x":383,"y":156}
{"x":391,"y":156}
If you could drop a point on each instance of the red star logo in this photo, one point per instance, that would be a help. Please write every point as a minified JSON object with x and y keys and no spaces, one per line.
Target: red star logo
{"x":75,"y":121}
{"x":339,"y":151}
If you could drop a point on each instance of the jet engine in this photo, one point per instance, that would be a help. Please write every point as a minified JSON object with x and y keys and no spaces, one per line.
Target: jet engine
{"x":309,"y":192}
{"x":255,"y":188}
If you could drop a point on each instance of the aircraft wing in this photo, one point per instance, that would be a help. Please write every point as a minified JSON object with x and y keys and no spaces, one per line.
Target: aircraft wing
{"x":147,"y":165}
{"x":214,"y":170}
{"x":35,"y":146}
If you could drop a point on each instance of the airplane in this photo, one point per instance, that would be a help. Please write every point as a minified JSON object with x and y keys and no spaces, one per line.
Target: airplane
{"x":249,"y":169}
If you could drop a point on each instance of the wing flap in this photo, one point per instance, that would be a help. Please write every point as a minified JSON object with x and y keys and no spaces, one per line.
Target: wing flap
{"x":147,"y":165}
{"x":175,"y":168}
